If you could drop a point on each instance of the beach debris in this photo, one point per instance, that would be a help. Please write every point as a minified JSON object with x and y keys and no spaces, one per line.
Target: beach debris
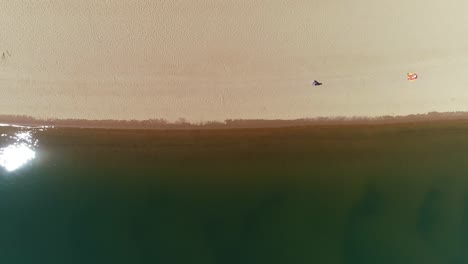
{"x":6,"y":54}
{"x":411,"y":76}
{"x":316,"y":83}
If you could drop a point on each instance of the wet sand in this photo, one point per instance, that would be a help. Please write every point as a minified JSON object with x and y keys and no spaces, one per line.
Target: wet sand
{"x":163,"y":124}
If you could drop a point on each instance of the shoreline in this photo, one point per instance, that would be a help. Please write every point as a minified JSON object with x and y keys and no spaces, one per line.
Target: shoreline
{"x":161,"y":124}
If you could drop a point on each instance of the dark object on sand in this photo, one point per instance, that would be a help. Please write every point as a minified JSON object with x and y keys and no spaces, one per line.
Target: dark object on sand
{"x":5,"y":55}
{"x":316,"y":83}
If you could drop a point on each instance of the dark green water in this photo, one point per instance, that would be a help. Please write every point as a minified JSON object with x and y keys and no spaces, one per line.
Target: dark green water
{"x":349,"y":194}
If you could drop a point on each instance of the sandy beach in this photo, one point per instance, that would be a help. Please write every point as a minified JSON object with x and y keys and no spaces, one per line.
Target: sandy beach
{"x":215,"y":60}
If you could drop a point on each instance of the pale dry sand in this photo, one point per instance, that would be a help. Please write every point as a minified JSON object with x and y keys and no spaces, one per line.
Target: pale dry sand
{"x":215,"y":60}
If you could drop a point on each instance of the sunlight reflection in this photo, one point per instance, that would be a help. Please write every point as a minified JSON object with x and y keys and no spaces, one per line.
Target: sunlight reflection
{"x":15,"y":156}
{"x":20,"y":152}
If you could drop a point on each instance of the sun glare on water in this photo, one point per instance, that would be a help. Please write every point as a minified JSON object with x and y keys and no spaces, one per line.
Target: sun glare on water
{"x":15,"y":155}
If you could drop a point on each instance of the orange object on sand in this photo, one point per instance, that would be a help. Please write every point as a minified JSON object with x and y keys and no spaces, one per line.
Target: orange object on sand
{"x":412,"y":76}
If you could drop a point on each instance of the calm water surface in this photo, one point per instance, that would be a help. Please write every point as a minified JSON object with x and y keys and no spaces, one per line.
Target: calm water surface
{"x":345,"y":194}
